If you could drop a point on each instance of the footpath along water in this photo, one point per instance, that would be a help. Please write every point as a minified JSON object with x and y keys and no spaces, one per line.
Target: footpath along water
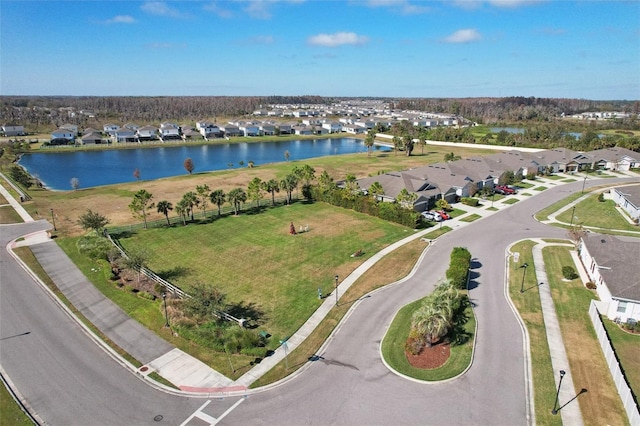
{"x":106,"y":167}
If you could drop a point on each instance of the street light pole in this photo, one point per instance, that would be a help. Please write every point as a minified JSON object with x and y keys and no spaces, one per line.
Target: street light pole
{"x":53,"y":218}
{"x":336,"y":278}
{"x":584,"y":182}
{"x":166,"y":316}
{"x":555,"y":404}
{"x":572,"y":215}
{"x":524,"y":265}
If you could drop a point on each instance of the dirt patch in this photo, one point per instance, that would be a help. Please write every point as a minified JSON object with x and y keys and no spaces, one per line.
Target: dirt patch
{"x":430,"y":357}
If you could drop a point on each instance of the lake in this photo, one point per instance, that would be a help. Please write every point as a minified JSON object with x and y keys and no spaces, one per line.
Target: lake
{"x":110,"y":166}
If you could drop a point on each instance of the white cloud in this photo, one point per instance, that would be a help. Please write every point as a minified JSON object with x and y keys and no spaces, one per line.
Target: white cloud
{"x":257,"y":40}
{"x":337,"y":39}
{"x":121,"y":19}
{"x":161,"y":8}
{"x":214,"y":7}
{"x":463,"y":36}
{"x":512,"y":3}
{"x":261,"y":9}
{"x":401,"y":6}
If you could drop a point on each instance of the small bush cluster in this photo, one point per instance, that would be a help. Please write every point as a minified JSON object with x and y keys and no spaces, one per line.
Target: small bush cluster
{"x":569,"y":273}
{"x":473,"y":202}
{"x":459,"y":267}
{"x":590,"y":285}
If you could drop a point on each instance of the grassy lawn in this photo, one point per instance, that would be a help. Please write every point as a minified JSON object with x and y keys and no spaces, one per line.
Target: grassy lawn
{"x":10,"y":412}
{"x":389,"y":269}
{"x":544,"y":213}
{"x":254,"y":261}
{"x":528,"y":305}
{"x":627,"y":347}
{"x":471,"y":218}
{"x":601,"y":404}
{"x":553,"y":177}
{"x":525,"y":194}
{"x":524,"y":185}
{"x":592,"y":212}
{"x":540,"y":188}
{"x":569,"y":180}
{"x":510,"y":201}
{"x":492,"y":209}
{"x":397,"y":334}
{"x":113,"y":201}
{"x":9,"y":215}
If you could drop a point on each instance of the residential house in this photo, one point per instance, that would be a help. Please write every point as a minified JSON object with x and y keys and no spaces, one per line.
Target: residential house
{"x":71,"y":127}
{"x":230,"y":130}
{"x":13,"y":130}
{"x":249,"y":129}
{"x":91,"y":138}
{"x":564,"y":160}
{"x":147,"y":133}
{"x":110,"y":128}
{"x":62,"y":137}
{"x":209,"y":130}
{"x":124,"y":135}
{"x":169,"y":131}
{"x":132,"y":126}
{"x":353,"y":129}
{"x":628,"y":198}
{"x":190,"y":133}
{"x":267,"y":129}
{"x":520,"y":163}
{"x":394,"y":182}
{"x":303,"y":130}
{"x":615,"y":158}
{"x":285,"y":128}
{"x":333,"y":126}
{"x":612,"y":265}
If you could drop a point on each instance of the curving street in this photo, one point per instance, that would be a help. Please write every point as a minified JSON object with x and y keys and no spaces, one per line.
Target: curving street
{"x":66,"y":379}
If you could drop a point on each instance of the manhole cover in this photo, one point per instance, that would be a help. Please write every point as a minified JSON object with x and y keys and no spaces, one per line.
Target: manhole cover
{"x":158,"y":418}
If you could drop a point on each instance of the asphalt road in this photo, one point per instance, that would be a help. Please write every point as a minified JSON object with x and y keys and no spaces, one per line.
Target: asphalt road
{"x":67,"y":380}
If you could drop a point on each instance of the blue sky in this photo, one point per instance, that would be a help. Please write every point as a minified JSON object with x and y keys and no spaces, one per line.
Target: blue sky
{"x":390,"y":48}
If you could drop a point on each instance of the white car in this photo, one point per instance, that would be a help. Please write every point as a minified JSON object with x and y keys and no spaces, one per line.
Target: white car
{"x":431,"y":215}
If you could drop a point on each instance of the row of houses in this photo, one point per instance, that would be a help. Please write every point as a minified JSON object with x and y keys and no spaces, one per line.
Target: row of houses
{"x":463,"y":178}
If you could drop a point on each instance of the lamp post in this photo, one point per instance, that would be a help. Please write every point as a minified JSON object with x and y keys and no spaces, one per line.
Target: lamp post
{"x":53,"y":218}
{"x":524,"y":265}
{"x":166,"y":316}
{"x":555,"y":404}
{"x":573,"y":213}
{"x":336,"y":278}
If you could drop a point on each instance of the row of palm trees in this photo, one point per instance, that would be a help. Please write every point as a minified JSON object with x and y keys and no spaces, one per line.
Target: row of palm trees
{"x":204,"y":196}
{"x":435,"y":318}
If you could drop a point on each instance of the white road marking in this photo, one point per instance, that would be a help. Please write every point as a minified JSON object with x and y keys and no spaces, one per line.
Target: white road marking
{"x":212,"y":421}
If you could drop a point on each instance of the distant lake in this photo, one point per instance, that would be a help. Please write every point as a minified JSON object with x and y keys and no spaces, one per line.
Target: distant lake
{"x":506,"y":129}
{"x":110,"y":166}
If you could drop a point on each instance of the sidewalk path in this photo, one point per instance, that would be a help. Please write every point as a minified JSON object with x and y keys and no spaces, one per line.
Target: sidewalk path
{"x":571,"y":414}
{"x":183,"y":370}
{"x":15,"y":204}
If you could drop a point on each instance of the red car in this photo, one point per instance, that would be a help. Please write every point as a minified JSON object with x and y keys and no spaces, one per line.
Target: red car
{"x":503,"y":189}
{"x":443,"y":215}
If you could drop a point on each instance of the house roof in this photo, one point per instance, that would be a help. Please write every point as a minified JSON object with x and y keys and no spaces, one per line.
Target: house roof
{"x":614,"y":154}
{"x":617,"y":261}
{"x":631,"y":193}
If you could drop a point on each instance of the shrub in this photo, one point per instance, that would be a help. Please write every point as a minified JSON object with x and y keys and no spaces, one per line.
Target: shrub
{"x":590,"y":285}
{"x":473,"y":202}
{"x":130,"y":289}
{"x":146,"y":295}
{"x":601,"y":197}
{"x":158,"y":288}
{"x":459,"y":267}
{"x":569,"y":273}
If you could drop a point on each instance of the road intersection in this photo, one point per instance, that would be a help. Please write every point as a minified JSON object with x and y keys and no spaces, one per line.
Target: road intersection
{"x":66,"y":379}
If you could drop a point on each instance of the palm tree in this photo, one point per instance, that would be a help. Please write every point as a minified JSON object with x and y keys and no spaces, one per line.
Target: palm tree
{"x":191,"y":200}
{"x":165,"y":207}
{"x":369,"y":140}
{"x":430,"y":321}
{"x":203,"y":196}
{"x":218,"y":197}
{"x":406,"y":198}
{"x":289,"y":183}
{"x":141,"y":202}
{"x":376,"y":190}
{"x":236,"y":197}
{"x":254,"y":190}
{"x":397,"y":144}
{"x":271,"y":186}
{"x":183,"y":210}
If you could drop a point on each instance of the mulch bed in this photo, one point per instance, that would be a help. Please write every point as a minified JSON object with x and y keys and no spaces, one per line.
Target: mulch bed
{"x":430,"y":357}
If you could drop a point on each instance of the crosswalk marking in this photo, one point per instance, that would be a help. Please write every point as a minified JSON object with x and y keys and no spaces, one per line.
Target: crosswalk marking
{"x":212,"y":421}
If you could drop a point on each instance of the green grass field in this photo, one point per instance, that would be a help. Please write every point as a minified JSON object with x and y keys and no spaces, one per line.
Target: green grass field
{"x":627,"y":348}
{"x":601,"y":404}
{"x":10,"y":412}
{"x":592,"y":212}
{"x":254,"y":261}
{"x":471,"y":218}
{"x":397,"y":334}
